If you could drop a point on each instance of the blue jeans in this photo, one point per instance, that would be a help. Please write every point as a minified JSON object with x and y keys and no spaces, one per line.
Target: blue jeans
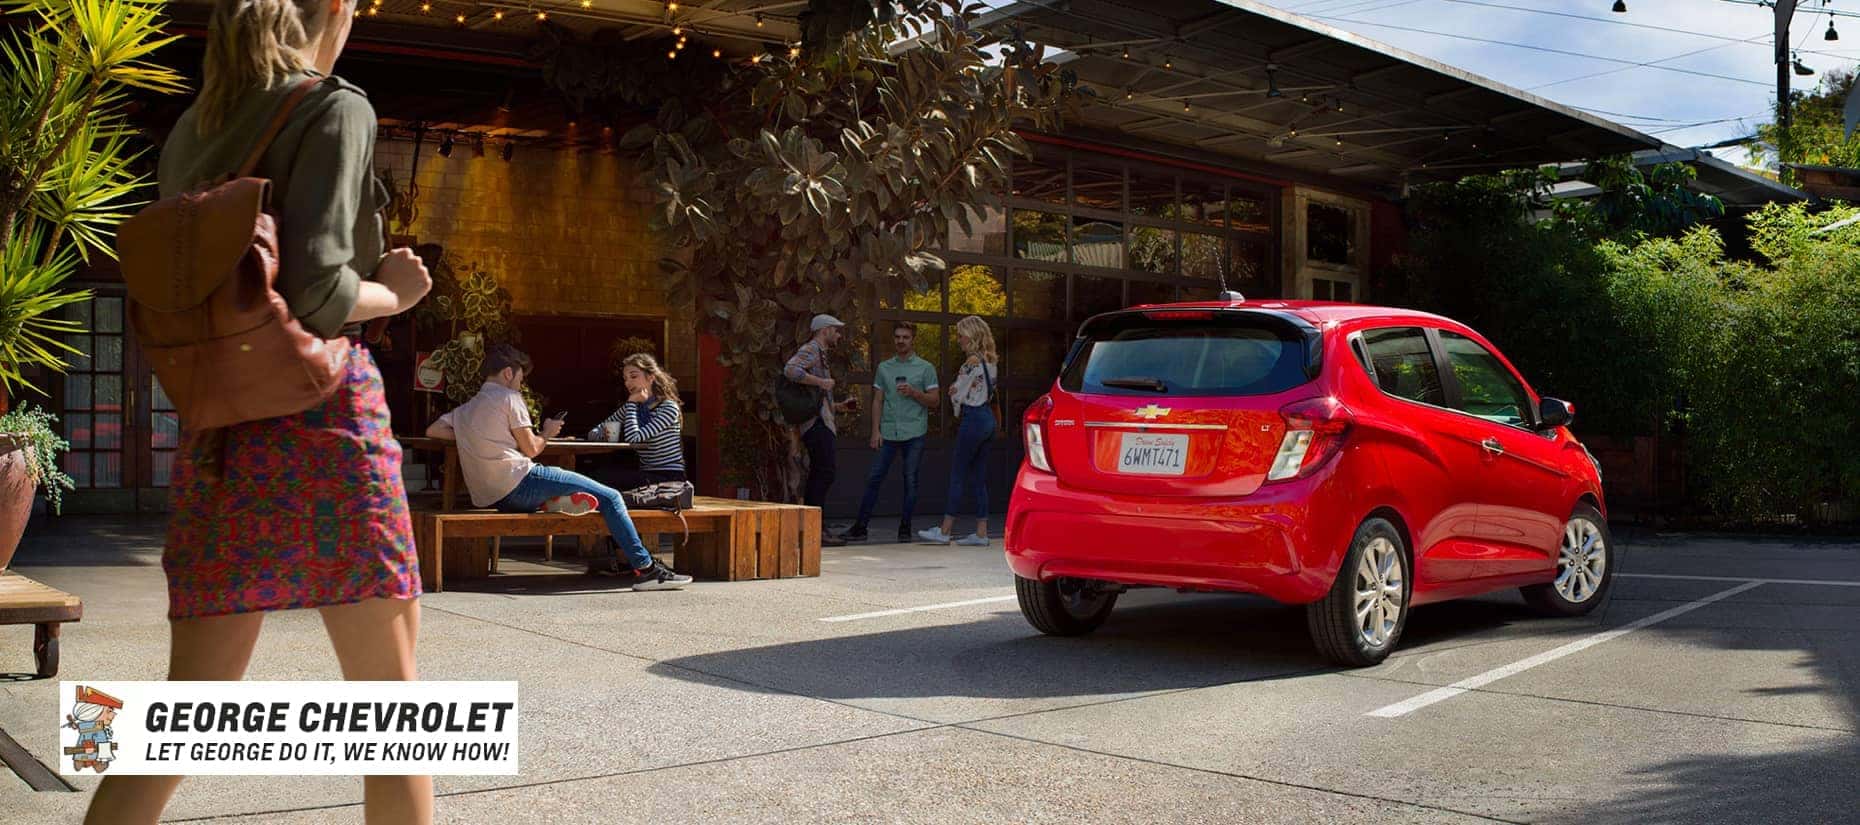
{"x":544,"y":483}
{"x":913,"y":452}
{"x":970,"y":464}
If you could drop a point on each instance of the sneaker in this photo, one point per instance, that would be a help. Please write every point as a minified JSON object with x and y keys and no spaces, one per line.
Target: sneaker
{"x":857,"y":533}
{"x":577,"y":504}
{"x":610,"y":568}
{"x":658,"y":577}
{"x":934,"y":535}
{"x":972,"y":540}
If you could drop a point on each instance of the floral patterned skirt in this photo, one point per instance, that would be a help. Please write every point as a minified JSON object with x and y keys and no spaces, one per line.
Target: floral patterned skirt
{"x":311,"y":511}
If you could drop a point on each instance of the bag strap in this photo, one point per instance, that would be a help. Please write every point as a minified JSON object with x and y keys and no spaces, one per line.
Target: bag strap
{"x":277,"y":125}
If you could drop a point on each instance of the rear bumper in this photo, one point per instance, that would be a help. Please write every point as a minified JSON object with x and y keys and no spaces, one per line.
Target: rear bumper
{"x":1284,"y":541}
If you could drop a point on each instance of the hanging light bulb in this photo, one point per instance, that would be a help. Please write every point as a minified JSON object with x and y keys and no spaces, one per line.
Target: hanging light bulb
{"x":426,"y":8}
{"x":374,"y":10}
{"x":1129,"y":95}
{"x":459,"y":18}
{"x":758,"y":21}
{"x":541,"y":16}
{"x":678,"y":30}
{"x":672,"y":6}
{"x":672,"y":55}
{"x":587,"y":4}
{"x":1832,"y":34}
{"x":717,"y":53}
{"x":1126,"y":52}
{"x":1186,"y":106}
{"x":1802,"y":69}
{"x":794,"y":53}
{"x":497,"y":15}
{"x":1168,"y":63}
{"x":756,"y":60}
{"x":1620,"y":6}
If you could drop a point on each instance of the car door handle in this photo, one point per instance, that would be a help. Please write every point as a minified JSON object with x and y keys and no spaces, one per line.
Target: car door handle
{"x":1492,"y":446}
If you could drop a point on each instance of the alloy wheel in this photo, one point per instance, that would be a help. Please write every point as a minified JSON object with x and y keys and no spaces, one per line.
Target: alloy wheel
{"x":1378,"y":592}
{"x":1581,"y":561}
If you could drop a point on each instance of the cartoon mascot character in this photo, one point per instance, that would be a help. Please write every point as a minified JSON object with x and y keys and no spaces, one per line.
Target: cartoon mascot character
{"x":91,"y":717}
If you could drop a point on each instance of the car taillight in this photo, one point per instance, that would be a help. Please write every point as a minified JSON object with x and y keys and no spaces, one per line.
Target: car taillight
{"x":1314,"y":431}
{"x":1035,"y":430}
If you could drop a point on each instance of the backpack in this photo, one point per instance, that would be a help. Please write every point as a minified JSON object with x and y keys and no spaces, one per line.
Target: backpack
{"x":798,"y":402}
{"x":201,"y":270}
{"x":672,"y":496}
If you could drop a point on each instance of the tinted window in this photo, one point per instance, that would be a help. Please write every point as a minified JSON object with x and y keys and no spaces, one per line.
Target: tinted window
{"x":1232,"y":356}
{"x":1403,"y":365}
{"x":1487,"y":388}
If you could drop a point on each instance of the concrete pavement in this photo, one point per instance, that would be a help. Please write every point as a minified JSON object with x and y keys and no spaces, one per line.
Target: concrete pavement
{"x":737,"y":703}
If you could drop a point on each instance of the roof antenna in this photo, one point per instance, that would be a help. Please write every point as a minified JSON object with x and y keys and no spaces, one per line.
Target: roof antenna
{"x":1231,"y":295}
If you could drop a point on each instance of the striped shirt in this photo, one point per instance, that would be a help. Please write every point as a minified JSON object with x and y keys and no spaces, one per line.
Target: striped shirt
{"x":657,"y":428}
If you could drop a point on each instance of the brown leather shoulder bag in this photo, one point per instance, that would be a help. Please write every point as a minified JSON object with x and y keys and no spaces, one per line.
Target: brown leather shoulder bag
{"x":201,"y":269}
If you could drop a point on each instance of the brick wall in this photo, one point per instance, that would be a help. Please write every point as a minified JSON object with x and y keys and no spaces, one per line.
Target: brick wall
{"x":566,"y":232}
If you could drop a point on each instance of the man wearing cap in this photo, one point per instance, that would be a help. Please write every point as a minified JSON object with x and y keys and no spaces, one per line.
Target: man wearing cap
{"x":809,"y":366}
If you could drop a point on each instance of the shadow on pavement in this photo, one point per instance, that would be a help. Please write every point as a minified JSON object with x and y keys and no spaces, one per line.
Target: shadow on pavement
{"x":1160,"y":644}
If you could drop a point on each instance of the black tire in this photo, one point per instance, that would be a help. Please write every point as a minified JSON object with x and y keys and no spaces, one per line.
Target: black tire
{"x":1549,"y":599}
{"x":1064,"y":607}
{"x":1335,"y":629}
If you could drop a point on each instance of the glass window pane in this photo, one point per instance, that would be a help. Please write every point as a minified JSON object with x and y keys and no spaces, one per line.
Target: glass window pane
{"x":77,"y":430}
{"x":1098,"y":184}
{"x":1487,"y":388}
{"x":1150,"y":292}
{"x":1098,"y":243}
{"x":1249,"y":258}
{"x":109,"y":315}
{"x":1041,"y":177}
{"x":109,"y":392}
{"x":1202,"y":256}
{"x":1091,"y":296}
{"x":928,"y":299}
{"x":1152,"y":250}
{"x":159,"y":400}
{"x":81,"y":360}
{"x":1330,"y":234}
{"x":165,"y":432}
{"x":109,"y":470}
{"x":1152,"y":194}
{"x":77,"y":392}
{"x":1034,"y":354}
{"x":77,"y":466}
{"x":161,"y":469}
{"x":1198,"y":290}
{"x":79,"y":312}
{"x":1404,"y":365}
{"x":1038,"y":295}
{"x":109,"y":353}
{"x":976,"y":290}
{"x":987,"y":235}
{"x":1039,"y":236}
{"x":1342,"y":291}
{"x":1249,"y":212}
{"x":109,"y":434}
{"x":1204,"y":203}
{"x":929,"y":345}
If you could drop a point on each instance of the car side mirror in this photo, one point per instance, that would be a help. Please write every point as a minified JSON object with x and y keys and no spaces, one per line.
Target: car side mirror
{"x":1553,"y":413}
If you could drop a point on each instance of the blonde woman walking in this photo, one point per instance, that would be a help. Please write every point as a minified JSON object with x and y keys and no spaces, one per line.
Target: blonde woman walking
{"x":972,"y":394}
{"x":307,"y":510}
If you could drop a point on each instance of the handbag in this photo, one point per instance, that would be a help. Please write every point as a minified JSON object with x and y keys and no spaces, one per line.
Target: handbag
{"x":798,"y":402}
{"x":201,"y":269}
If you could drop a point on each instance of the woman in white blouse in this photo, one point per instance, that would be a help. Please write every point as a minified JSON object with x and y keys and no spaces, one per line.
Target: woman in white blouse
{"x":972,"y":394}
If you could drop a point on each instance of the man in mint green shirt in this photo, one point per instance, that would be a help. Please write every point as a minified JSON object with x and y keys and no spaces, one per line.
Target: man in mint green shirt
{"x":904,"y":393}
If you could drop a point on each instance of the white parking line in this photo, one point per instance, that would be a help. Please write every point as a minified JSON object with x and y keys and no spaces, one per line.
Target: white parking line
{"x":1408,"y":706}
{"x":877,"y":613}
{"x":1736,"y":579}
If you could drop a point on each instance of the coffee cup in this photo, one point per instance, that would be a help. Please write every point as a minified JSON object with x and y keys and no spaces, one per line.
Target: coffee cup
{"x":610,"y":431}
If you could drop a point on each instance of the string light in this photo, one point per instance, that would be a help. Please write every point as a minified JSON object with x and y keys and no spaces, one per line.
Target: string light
{"x":672,"y":55}
{"x":717,"y":53}
{"x":587,"y":4}
{"x":758,"y":21}
{"x":497,"y":15}
{"x":795,"y":52}
{"x":1186,"y":106}
{"x":541,"y":16}
{"x":672,"y":6}
{"x":374,"y":10}
{"x":1126,"y":52}
{"x":756,"y":60}
{"x":460,"y":19}
{"x":678,"y":30}
{"x":426,"y":8}
{"x":1168,"y":64}
{"x":1129,"y":95}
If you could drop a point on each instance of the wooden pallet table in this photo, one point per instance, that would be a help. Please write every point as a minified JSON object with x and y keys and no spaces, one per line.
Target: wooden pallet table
{"x":24,"y":601}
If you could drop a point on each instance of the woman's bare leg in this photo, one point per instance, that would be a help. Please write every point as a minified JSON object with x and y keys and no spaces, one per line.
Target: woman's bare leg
{"x":211,"y":649}
{"x":374,"y":641}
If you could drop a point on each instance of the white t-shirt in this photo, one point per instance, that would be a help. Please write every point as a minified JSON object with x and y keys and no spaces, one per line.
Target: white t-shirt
{"x":488,"y":454}
{"x":970,"y":389}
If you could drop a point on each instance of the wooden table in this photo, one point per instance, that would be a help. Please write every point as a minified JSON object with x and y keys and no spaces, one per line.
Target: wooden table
{"x":24,"y":601}
{"x":560,"y":452}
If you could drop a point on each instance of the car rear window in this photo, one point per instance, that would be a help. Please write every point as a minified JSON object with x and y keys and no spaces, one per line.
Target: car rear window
{"x":1225,"y":354}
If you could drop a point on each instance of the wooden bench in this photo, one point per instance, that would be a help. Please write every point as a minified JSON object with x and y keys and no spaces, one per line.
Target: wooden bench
{"x":24,"y":601}
{"x":729,"y":540}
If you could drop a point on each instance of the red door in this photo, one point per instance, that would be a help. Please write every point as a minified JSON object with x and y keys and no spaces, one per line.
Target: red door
{"x":1524,"y":484}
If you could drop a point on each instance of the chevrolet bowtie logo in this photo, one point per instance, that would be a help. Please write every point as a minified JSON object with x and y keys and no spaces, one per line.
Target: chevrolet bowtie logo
{"x":1151,"y":412}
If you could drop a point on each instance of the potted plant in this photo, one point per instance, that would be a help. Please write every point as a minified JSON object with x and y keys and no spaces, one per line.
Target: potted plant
{"x":67,"y":156}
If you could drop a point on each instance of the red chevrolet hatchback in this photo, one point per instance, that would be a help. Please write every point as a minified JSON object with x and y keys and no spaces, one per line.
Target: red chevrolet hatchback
{"x":1359,"y":460}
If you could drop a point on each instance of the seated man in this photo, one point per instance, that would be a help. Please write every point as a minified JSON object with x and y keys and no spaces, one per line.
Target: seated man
{"x":496,"y":442}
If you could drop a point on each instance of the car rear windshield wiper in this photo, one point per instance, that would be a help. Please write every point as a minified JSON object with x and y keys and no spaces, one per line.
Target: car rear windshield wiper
{"x":1137,"y":383}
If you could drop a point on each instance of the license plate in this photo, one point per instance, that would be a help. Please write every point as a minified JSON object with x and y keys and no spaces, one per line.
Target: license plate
{"x":1153,"y":455}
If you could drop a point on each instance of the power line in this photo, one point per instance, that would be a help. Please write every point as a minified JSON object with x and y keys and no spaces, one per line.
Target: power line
{"x":1567,"y":53}
{"x":1650,"y":63}
{"x":1632,"y":24}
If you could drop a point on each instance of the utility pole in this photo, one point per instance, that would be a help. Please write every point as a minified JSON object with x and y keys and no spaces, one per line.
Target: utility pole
{"x":1785,"y":65}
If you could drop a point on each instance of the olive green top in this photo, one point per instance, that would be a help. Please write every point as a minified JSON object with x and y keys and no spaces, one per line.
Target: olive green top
{"x":326,"y":196}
